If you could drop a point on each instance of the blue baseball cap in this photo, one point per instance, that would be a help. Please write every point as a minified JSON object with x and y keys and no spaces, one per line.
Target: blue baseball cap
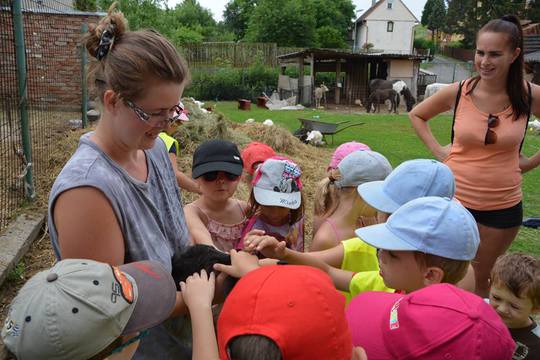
{"x":410,"y":180}
{"x":432,"y":225}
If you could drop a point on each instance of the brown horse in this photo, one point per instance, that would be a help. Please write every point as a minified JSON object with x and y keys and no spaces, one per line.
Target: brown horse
{"x":380,"y":96}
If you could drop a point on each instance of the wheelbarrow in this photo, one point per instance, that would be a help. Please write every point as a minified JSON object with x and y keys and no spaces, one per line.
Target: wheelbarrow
{"x":326,"y":128}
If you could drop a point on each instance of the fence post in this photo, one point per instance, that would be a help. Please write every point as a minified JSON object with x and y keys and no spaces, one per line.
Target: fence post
{"x":18,"y":33}
{"x":84,"y":61}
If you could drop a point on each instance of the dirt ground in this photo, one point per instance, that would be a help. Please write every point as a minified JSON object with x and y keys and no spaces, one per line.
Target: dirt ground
{"x":312,"y":160}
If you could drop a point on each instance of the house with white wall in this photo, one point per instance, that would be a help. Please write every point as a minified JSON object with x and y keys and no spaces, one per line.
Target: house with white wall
{"x":388,"y":25}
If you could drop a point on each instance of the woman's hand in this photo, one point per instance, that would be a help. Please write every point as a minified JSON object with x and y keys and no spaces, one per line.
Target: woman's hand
{"x":198,"y":290}
{"x":443,"y":152}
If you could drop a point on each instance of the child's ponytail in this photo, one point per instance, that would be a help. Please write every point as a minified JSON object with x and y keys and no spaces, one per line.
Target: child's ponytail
{"x":326,"y":194}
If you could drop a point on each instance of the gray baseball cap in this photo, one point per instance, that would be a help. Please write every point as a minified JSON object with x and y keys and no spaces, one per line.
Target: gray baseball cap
{"x":362,"y":166}
{"x":277,"y":183}
{"x":78,"y":307}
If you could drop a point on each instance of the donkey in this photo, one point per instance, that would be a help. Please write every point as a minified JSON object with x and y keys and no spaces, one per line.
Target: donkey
{"x":320,"y":93}
{"x":380,"y":96}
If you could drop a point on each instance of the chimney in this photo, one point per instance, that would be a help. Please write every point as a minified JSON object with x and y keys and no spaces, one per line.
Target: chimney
{"x":373,"y":2}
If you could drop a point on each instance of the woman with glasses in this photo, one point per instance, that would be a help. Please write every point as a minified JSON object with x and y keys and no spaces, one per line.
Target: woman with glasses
{"x":116,"y":200}
{"x":216,"y":218}
{"x":490,"y":120}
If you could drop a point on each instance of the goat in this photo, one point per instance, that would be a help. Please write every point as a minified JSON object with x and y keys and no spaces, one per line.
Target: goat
{"x":380,"y":96}
{"x":320,"y":93}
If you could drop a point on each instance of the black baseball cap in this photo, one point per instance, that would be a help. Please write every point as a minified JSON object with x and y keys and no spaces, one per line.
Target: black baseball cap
{"x":217,"y":155}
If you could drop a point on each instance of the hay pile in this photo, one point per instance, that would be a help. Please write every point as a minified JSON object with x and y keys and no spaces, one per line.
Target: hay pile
{"x":312,"y":160}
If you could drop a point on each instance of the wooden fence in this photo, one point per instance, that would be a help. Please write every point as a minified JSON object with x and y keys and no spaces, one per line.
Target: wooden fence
{"x":217,"y":54}
{"x":458,"y":53}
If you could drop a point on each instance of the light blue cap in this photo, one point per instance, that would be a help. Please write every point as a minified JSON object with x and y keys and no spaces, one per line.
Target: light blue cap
{"x":410,"y":180}
{"x":432,"y":225}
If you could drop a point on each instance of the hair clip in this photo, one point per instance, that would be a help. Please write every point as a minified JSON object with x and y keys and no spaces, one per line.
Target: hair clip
{"x":105,"y":43}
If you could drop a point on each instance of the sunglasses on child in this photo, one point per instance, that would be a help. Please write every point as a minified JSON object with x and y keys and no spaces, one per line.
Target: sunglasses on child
{"x":491,"y":136}
{"x":213,"y":176}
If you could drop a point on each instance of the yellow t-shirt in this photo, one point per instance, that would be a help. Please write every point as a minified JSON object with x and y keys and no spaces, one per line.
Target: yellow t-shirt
{"x":361,"y":258}
{"x":366,"y":281}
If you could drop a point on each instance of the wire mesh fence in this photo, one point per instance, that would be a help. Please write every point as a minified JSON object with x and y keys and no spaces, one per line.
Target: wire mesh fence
{"x":40,"y":91}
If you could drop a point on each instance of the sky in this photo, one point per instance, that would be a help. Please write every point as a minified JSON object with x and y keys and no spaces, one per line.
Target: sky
{"x":217,"y":6}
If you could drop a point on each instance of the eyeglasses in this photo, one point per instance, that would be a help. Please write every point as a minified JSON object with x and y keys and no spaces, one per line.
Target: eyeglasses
{"x":156,"y":120}
{"x":491,"y":136}
{"x":213,"y":176}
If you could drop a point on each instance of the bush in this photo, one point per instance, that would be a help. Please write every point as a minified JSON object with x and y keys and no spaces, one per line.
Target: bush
{"x":421,"y":43}
{"x":232,"y":83}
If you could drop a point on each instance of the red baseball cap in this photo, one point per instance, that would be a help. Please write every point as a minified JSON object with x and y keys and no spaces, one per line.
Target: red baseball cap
{"x":437,"y":322}
{"x":255,"y":152}
{"x":295,"y":306}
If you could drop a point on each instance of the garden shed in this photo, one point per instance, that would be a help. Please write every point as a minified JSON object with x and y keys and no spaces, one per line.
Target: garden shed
{"x":353,"y":72}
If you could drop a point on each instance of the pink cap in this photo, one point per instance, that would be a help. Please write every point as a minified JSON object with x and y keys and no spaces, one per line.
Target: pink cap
{"x":344,"y":150}
{"x":437,"y":322}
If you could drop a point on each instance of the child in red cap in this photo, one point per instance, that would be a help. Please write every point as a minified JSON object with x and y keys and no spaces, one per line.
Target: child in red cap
{"x":254,"y":154}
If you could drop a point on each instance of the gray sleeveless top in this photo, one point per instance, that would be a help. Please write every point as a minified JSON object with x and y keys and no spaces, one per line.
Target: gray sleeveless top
{"x":150,"y":214}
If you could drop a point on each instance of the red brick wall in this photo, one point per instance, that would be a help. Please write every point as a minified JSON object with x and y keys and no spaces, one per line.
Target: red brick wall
{"x":53,"y":59}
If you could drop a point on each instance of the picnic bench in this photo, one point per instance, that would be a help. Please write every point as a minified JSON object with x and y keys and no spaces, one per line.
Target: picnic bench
{"x":325,"y":128}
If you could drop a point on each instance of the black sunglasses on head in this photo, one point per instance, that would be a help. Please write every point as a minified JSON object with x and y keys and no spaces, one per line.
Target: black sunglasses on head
{"x":213,"y":175}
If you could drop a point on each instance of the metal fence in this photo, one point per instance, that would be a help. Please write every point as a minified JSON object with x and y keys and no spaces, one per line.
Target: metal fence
{"x":40,"y":90}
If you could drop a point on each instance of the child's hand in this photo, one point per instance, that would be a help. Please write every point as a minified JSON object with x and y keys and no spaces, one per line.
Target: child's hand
{"x":198,"y":290}
{"x":269,"y":246}
{"x":250,"y":234}
{"x":241,"y":263}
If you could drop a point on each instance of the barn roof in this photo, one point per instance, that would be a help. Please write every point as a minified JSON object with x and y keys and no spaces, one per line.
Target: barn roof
{"x":345,"y":54}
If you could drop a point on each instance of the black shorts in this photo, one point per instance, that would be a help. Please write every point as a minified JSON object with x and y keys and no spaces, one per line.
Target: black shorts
{"x":500,"y":219}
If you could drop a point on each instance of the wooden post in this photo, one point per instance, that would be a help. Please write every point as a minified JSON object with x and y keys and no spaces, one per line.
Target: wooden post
{"x":312,"y":74}
{"x":338,"y":79}
{"x":300,"y":96}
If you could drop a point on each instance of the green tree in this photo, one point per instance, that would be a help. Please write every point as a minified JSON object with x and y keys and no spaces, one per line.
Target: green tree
{"x":285,"y":22}
{"x":85,"y":5}
{"x":141,"y":14}
{"x":336,"y":16}
{"x":329,"y":37}
{"x":467,"y":17}
{"x":236,"y":16}
{"x":433,"y":16}
{"x":533,"y":11}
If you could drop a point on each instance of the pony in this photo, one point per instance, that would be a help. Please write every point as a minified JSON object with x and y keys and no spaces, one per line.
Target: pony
{"x":433,"y":88}
{"x":381,"y":95}
{"x":398,"y":86}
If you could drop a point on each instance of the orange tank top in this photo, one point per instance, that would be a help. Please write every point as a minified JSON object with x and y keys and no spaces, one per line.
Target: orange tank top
{"x":488,"y":177}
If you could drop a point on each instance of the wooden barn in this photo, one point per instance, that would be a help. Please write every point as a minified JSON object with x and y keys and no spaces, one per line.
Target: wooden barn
{"x":353,"y":72}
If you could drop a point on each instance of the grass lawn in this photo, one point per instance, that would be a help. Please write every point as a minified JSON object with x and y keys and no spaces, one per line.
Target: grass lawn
{"x":393,"y":136}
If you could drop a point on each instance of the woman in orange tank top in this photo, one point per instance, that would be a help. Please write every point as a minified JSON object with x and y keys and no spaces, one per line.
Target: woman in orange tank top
{"x":488,"y":130}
